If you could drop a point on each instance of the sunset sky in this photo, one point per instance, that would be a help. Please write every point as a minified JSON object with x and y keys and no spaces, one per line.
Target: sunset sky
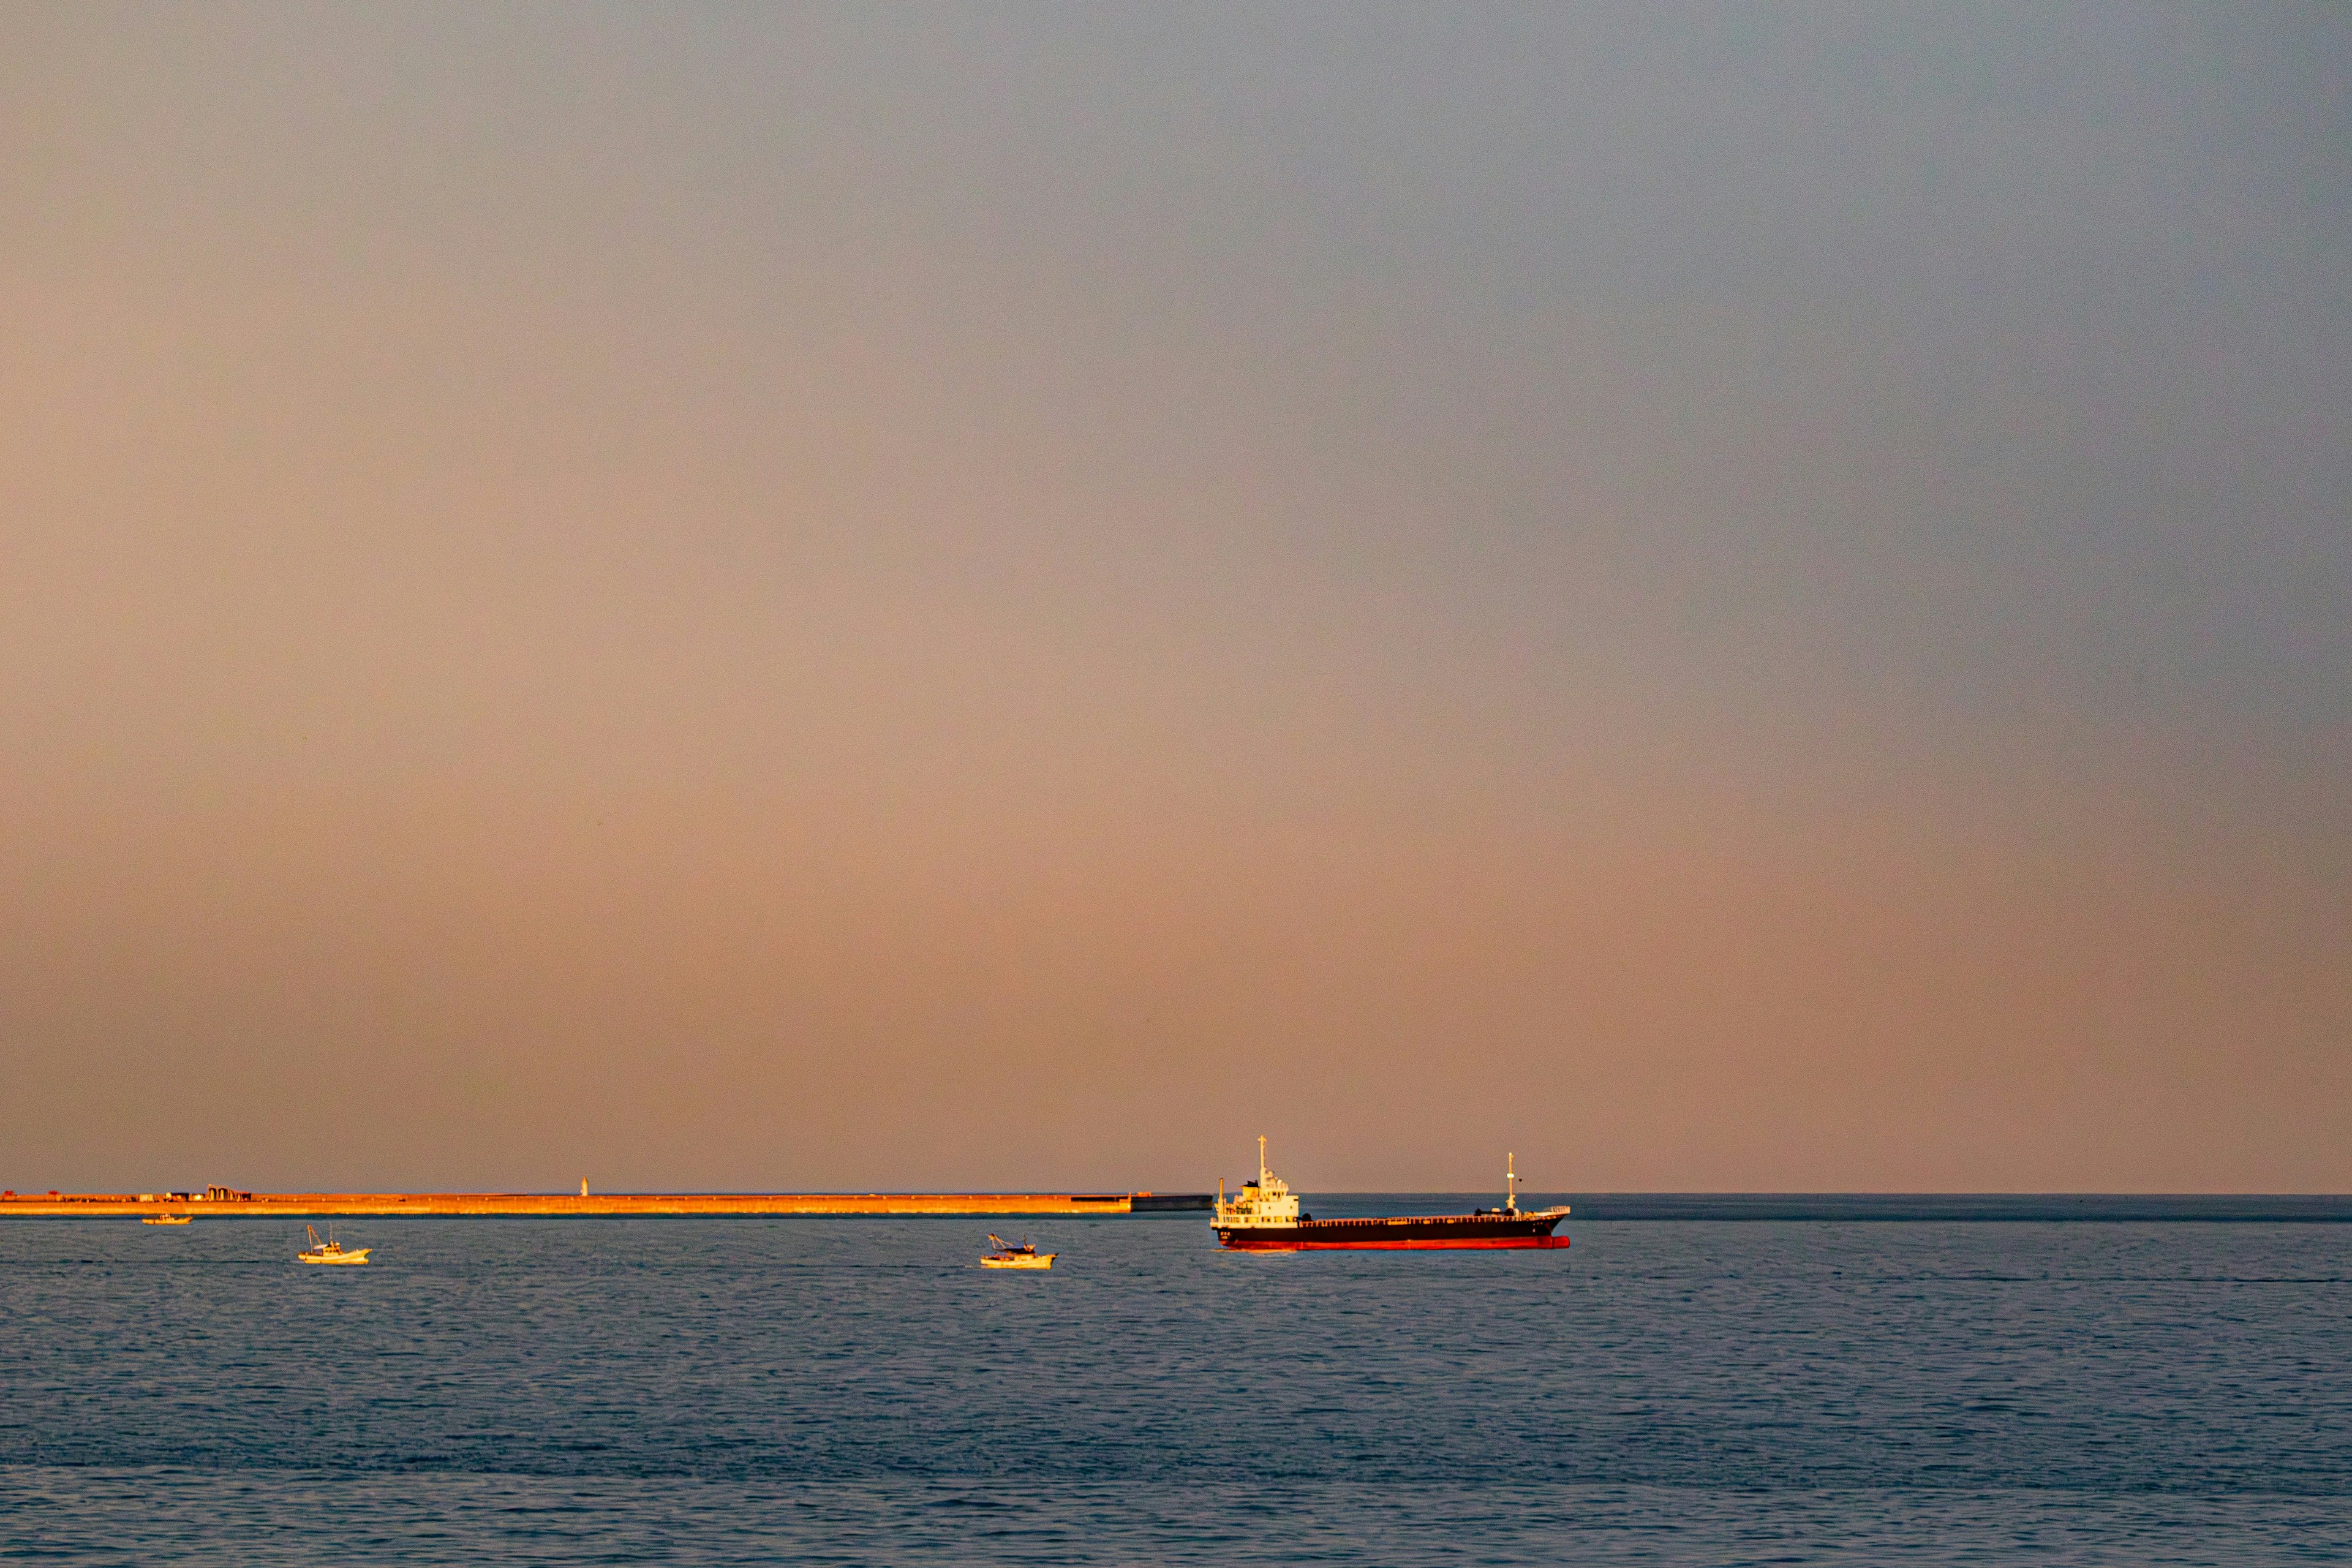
{"x":998,"y":597}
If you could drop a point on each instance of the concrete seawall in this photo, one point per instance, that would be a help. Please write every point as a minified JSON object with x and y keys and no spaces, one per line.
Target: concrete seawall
{"x":295,"y":1206}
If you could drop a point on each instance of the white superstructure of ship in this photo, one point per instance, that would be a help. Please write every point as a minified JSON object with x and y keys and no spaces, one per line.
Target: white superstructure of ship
{"x":1267,"y":1204}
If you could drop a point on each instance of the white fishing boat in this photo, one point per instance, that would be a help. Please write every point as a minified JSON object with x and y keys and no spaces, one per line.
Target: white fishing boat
{"x":330,"y":1250}
{"x":1016,"y":1254}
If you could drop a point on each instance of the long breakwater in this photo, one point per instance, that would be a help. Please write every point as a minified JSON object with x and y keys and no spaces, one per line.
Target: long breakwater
{"x":221,"y":1203}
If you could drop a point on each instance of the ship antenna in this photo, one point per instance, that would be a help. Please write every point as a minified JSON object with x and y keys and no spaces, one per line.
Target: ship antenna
{"x":1261,"y":1161}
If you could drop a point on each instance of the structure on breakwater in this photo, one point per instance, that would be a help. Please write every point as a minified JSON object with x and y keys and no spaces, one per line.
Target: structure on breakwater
{"x":228,"y":1203}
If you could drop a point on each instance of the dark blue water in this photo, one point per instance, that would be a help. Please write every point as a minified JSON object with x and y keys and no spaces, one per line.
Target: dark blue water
{"x":860,"y":1392}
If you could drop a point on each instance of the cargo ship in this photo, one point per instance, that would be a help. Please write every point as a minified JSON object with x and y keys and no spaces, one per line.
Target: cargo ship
{"x":1265,"y":1217}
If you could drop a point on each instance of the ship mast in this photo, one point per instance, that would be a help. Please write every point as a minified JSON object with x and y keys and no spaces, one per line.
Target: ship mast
{"x":1511,"y":1182}
{"x":1261,"y":1171}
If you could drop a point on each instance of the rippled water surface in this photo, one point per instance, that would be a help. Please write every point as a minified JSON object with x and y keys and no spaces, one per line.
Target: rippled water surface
{"x":858,"y":1391}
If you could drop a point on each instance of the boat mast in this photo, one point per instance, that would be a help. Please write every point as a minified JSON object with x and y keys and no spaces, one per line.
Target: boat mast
{"x":1511,"y":1182}
{"x":1261,"y":1171}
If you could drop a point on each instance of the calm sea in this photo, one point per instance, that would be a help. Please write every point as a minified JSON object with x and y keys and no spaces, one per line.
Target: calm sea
{"x":1855,"y":1390}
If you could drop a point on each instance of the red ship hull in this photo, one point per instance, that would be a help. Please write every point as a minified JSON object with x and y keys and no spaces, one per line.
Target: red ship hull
{"x":1412,"y":1232}
{"x":1284,"y":1244}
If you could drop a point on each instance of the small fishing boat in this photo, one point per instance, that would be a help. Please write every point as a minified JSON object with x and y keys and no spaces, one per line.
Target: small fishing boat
{"x":165,"y":1219}
{"x":330,"y":1250}
{"x":1016,"y":1254}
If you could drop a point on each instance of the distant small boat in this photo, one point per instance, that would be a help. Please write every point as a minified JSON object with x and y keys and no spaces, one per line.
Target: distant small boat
{"x":330,"y":1250}
{"x":1016,"y":1254}
{"x":166,"y":1219}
